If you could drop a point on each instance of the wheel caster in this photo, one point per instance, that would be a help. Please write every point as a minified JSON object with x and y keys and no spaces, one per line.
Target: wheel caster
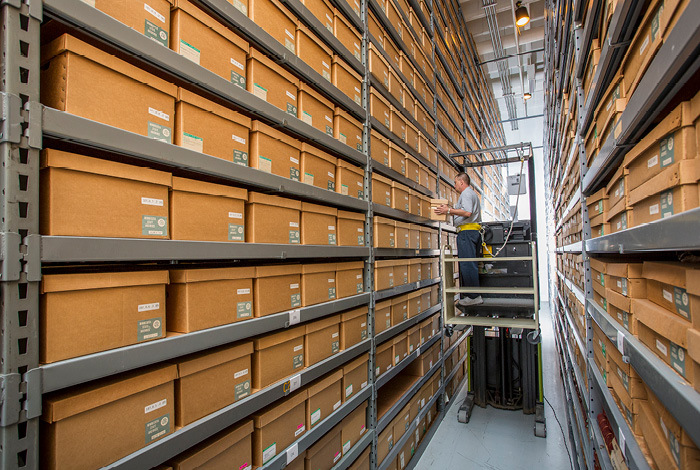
{"x":449,"y":331}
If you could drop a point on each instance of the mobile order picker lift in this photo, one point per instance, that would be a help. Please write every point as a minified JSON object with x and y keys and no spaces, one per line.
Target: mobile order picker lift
{"x":505,"y":364}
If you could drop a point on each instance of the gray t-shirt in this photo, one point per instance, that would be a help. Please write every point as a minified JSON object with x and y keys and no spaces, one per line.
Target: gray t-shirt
{"x":468,"y":201}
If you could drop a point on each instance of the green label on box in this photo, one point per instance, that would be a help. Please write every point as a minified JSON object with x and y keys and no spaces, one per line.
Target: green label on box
{"x":238,"y":79}
{"x":149,"y":329}
{"x":241,"y":390}
{"x":406,"y":246}
{"x":359,"y":147}
{"x":294,"y":174}
{"x":360,"y":240}
{"x":235,"y":232}
{"x":156,"y":33}
{"x":244,"y":310}
{"x":625,"y":380}
{"x":386,"y":161}
{"x":154,"y":225}
{"x":363,"y":335}
{"x":623,"y":285}
{"x":680,"y":298}
{"x":675,"y":448}
{"x":335,"y":347}
{"x":602,"y":280}
{"x":331,"y":186}
{"x":298,"y":361}
{"x":386,"y":122}
{"x":291,"y":109}
{"x":655,"y":22}
{"x":605,"y":304}
{"x":626,"y":320}
{"x":388,"y":323}
{"x":294,"y":236}
{"x":666,"y":152}
{"x":599,"y":207}
{"x":623,"y":221}
{"x":360,"y":287}
{"x":296,"y":300}
{"x":360,"y":194}
{"x":666,"y":203}
{"x":391,"y":243}
{"x":329,"y":130}
{"x":331,"y":239}
{"x":157,"y":428}
{"x":159,"y":132}
{"x":405,"y":279}
{"x":678,"y":358}
{"x":240,"y":158}
{"x":331,"y":292}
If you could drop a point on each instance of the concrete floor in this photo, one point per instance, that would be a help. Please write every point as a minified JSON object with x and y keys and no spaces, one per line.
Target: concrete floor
{"x":497,"y":439}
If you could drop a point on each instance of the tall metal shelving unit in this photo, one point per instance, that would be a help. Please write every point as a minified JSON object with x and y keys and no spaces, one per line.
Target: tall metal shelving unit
{"x":673,"y":66}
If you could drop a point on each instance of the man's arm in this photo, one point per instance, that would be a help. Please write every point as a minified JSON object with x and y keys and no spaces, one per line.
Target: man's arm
{"x":458,"y":212}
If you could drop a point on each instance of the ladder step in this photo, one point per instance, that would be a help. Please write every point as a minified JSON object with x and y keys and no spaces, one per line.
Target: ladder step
{"x":491,"y":290}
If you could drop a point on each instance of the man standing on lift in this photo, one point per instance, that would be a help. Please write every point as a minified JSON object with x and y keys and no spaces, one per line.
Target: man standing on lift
{"x":467,"y":219}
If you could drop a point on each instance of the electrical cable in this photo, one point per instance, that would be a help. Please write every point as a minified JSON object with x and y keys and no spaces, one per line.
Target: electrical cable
{"x":563,"y":434}
{"x":515,"y":214}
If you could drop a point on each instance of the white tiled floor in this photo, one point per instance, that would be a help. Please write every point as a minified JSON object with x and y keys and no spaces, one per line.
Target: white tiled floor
{"x":497,"y":439}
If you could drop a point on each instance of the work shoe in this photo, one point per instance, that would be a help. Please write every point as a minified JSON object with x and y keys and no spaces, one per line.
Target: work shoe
{"x":467,"y":302}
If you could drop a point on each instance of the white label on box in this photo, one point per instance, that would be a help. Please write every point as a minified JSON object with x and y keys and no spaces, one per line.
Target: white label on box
{"x":240,"y":140}
{"x":240,"y":373}
{"x":359,"y":276}
{"x":300,"y":429}
{"x":149,"y":201}
{"x":363,"y":324}
{"x":188,"y":51}
{"x":348,"y":390}
{"x":294,"y":224}
{"x":377,"y":371}
{"x":328,"y":118}
{"x":293,"y":286}
{"x":259,"y":91}
{"x":243,"y":291}
{"x":623,"y":445}
{"x":325,"y":64}
{"x":337,"y":457}
{"x":292,"y":453}
{"x":644,"y":45}
{"x":620,"y":342}
{"x":294,"y":317}
{"x":159,"y":114}
{"x":150,"y":10}
{"x":149,"y":307}
{"x":346,"y":447}
{"x":236,"y":63}
{"x":298,"y":348}
{"x":155,"y":406}
{"x":331,"y":175}
{"x":291,"y":36}
{"x":619,"y":283}
{"x":334,"y":335}
{"x":291,"y":96}
{"x":363,"y":385}
{"x":264,"y":164}
{"x":653,"y":161}
{"x":235,"y":215}
{"x":337,"y":405}
{"x":331,"y":280}
{"x":294,"y":160}
{"x":315,"y":416}
{"x":661,"y":347}
{"x":360,"y":230}
{"x":269,"y":452}
{"x":668,"y":296}
{"x":654,"y":209}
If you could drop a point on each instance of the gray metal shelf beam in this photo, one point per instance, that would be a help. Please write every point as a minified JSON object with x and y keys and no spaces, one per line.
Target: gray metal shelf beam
{"x":405,"y":325}
{"x":404,"y":252}
{"x":419,"y":13}
{"x":394,"y":371}
{"x":350,"y":14}
{"x":575,"y":247}
{"x":394,"y":291}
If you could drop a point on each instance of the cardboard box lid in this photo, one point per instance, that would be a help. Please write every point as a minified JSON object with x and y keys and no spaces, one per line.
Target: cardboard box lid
{"x":277,"y":270}
{"x":627,"y":270}
{"x":400,"y":337}
{"x":384,"y":221}
{"x":376,"y":94}
{"x":347,"y":116}
{"x":344,"y":65}
{"x":215,"y":108}
{"x":602,"y":193}
{"x":404,"y":225}
{"x":267,"y":415}
{"x":51,"y":158}
{"x":311,"y":35}
{"x":316,"y":152}
{"x":354,"y":313}
{"x":693,"y":339}
{"x":667,"y":273}
{"x":258,"y":56}
{"x":387,"y":345}
{"x":402,"y":187}
{"x":621,"y":171}
{"x":207,"y":359}
{"x":349,"y":166}
{"x":399,"y":299}
{"x":322,"y":324}
{"x":381,"y":179}
{"x":414,"y":294}
{"x":87,"y":281}
{"x":66,"y":42}
{"x":422,"y":228}
{"x":347,"y":266}
{"x":258,"y":126}
{"x":270,"y":200}
{"x":212,"y":189}
{"x":692,"y":280}
{"x":305,"y":88}
{"x":195,"y":457}
{"x":325,"y":382}
{"x":438,"y":202}
{"x":351,"y":215}
{"x":414,"y":330}
{"x":319,"y":268}
{"x":264,"y":342}
{"x":385,"y":263}
{"x":684,"y":172}
{"x":210,"y":22}
{"x":660,"y":320}
{"x":184,"y":276}
{"x":378,"y":136}
{"x":72,"y":401}
{"x":414,"y":261}
{"x":382,"y":305}
{"x":599,"y":265}
{"x":318,"y":209}
{"x":354,"y":364}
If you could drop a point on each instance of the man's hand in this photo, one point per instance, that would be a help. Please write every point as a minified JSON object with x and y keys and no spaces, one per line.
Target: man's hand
{"x":439,"y":210}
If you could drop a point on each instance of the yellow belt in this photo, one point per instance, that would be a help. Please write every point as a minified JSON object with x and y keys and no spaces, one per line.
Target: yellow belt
{"x":470,"y":226}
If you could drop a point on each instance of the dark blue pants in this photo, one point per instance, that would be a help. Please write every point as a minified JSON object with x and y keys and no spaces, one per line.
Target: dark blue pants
{"x":468,"y":246}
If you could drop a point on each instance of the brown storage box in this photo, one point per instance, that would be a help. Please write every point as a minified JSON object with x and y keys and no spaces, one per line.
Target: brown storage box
{"x":139,"y":407}
{"x":202,"y":126}
{"x":204,"y":298}
{"x":153,"y":22}
{"x":271,"y":16}
{"x":406,"y":453}
{"x":317,"y":167}
{"x":353,"y":327}
{"x":350,"y":180}
{"x":413,"y":237}
{"x":402,"y":422}
{"x":206,"y":211}
{"x":348,"y":130}
{"x":324,"y":399}
{"x":385,"y":442}
{"x":77,"y":192}
{"x":233,"y":446}
{"x":347,"y":36}
{"x":414,"y":270}
{"x":115,"y":309}
{"x":278,"y":426}
{"x":383,"y":358}
{"x":274,"y":152}
{"x":381,"y":190}
{"x":379,"y":69}
{"x":412,"y":139}
{"x":318,"y":224}
{"x":392,"y":50}
{"x":645,"y":44}
{"x":382,"y":313}
{"x":322,"y":339}
{"x":400,"y":348}
{"x":399,"y":309}
{"x":350,"y":278}
{"x":347,"y":80}
{"x":397,"y":159}
{"x":277,"y":356}
{"x":318,"y":283}
{"x":384,"y":274}
{"x":211,"y":380}
{"x":269,"y":81}
{"x":402,"y":240}
{"x":312,"y":51}
{"x":401,"y":271}
{"x":412,"y":169}
{"x":694,"y":353}
{"x":668,"y":202}
{"x":353,"y":427}
{"x":315,"y":110}
{"x":284,"y":281}
{"x":674,"y":286}
{"x":396,"y":86}
{"x":379,"y":108}
{"x":272,"y":219}
{"x":379,"y":148}
{"x":76,"y":77}
{"x":355,"y":376}
{"x":351,"y":228}
{"x":399,"y":197}
{"x":325,"y":452}
{"x":398,"y":124}
{"x":414,"y":303}
{"x":323,"y":11}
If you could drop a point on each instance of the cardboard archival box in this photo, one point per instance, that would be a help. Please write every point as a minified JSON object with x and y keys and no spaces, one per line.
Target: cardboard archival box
{"x":435,"y":203}
{"x":674,"y":287}
{"x":347,"y":36}
{"x":323,"y":12}
{"x":326,"y":451}
{"x":322,"y":339}
{"x":398,"y":124}
{"x":630,"y":413}
{"x":414,"y":204}
{"x":407,"y":68}
{"x":206,"y":42}
{"x":597,"y":206}
{"x":395,"y":85}
{"x":384,"y":274}
{"x":645,"y":44}
{"x":232,"y":446}
{"x":277,"y":356}
{"x":693,"y":340}
{"x":271,"y":16}
{"x":626,"y":279}
{"x":350,"y":180}
{"x":299,"y":463}
{"x":278,"y":426}
{"x":318,"y":283}
{"x":412,"y":134}
{"x":617,"y":192}
{"x":269,"y":81}
{"x":351,"y":228}
{"x":139,"y":407}
{"x":346,"y":80}
{"x":315,"y":110}
{"x":206,"y":211}
{"x":379,"y":69}
{"x":353,"y":327}
{"x":318,"y":224}
{"x":414,"y":270}
{"x":355,"y":376}
{"x":384,"y":233}
{"x":414,"y":303}
{"x":204,"y":298}
{"x":434,"y":292}
{"x":384,"y":358}
{"x":284,"y":281}
{"x":274,"y":152}
{"x":381,"y":190}
{"x":385,"y":442}
{"x":413,"y":236}
{"x":399,"y":197}
{"x":402,"y":422}
{"x":379,"y":148}
{"x":399,"y":308}
{"x":312,"y":51}
{"x":153,"y":22}
{"x":203,"y":126}
{"x":400,"y":348}
{"x":348,"y":130}
{"x":382,"y":313}
{"x":402,"y":241}
{"x":425,"y":299}
{"x":397,"y":158}
{"x":426,"y":180}
{"x":654,"y":437}
{"x":379,"y":107}
{"x":77,"y":191}
{"x":353,"y":427}
{"x":409,"y":103}
{"x":211,"y":380}
{"x":401,"y":271}
{"x":318,"y":167}
{"x":622,"y":221}
{"x":406,"y":453}
{"x":392,"y":50}
{"x":324,"y":398}
{"x":83,"y":80}
{"x":272,"y":219}
{"x":350,"y":278}
{"x":114,"y":309}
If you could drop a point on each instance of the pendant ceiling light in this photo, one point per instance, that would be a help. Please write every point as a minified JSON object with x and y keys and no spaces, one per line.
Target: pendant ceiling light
{"x":522,"y":17}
